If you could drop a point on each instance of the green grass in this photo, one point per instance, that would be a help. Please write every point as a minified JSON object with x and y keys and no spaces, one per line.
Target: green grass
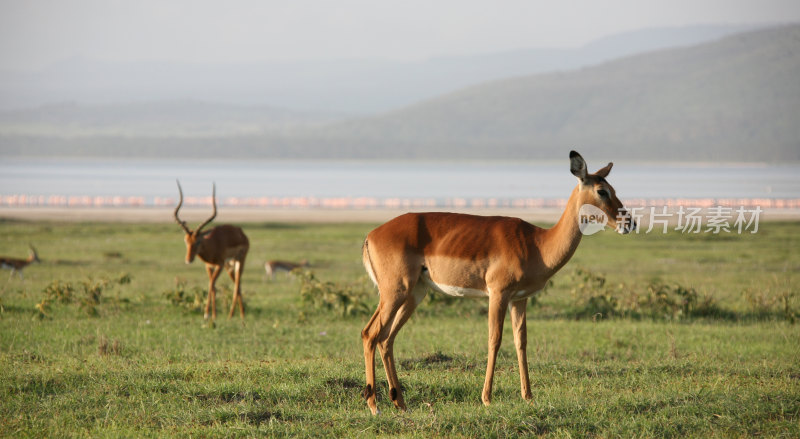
{"x":142,"y":366}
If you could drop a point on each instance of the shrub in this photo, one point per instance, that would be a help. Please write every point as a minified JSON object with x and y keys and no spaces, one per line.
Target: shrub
{"x":92,"y":292}
{"x":346,"y":299}
{"x":658,"y":300}
{"x":59,"y":291}
{"x":191,"y":299}
{"x":108,"y":347}
{"x":775,"y":299}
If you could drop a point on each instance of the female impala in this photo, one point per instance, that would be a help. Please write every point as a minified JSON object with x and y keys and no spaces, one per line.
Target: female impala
{"x":504,"y":259}
{"x":273,"y":266}
{"x":223,"y":245}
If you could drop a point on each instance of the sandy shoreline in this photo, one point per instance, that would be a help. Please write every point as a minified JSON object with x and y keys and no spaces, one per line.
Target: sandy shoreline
{"x":256,"y":215}
{"x":242,"y":215}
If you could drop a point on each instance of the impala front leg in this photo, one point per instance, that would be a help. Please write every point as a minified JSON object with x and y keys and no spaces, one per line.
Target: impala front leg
{"x":519,"y":323}
{"x":498,"y":305}
{"x":211,"y":302}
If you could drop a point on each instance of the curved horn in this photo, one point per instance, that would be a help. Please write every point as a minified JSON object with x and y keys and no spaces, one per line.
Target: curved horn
{"x":214,"y":203}
{"x":180,"y":203}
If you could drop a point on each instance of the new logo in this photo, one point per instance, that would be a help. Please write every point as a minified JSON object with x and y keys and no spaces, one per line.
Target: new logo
{"x":591,"y":219}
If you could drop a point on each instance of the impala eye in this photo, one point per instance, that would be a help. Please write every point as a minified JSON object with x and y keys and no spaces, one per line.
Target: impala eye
{"x":602,"y":193}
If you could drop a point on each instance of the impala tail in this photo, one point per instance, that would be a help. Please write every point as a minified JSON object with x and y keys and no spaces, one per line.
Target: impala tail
{"x":368,"y":262}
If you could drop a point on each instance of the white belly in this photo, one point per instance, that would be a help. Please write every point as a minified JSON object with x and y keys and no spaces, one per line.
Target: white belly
{"x":455,"y":291}
{"x":449,"y":289}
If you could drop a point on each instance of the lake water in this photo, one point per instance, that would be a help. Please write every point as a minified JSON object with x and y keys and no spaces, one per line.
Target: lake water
{"x":153,"y":180}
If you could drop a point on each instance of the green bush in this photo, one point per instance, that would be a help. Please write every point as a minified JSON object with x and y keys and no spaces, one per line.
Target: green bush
{"x":657,"y":300}
{"x":59,"y":291}
{"x":91,"y":292}
{"x":190,"y":299}
{"x":345,"y":299}
{"x":774,"y":299}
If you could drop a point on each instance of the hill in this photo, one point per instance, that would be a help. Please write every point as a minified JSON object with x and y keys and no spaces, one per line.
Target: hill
{"x":734,"y":99}
{"x":178,"y":118}
{"x":355,"y":86}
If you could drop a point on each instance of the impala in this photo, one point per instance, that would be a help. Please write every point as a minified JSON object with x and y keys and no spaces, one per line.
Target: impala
{"x":17,"y":265}
{"x":272,"y":267}
{"x":222,"y":246}
{"x":503,"y":259}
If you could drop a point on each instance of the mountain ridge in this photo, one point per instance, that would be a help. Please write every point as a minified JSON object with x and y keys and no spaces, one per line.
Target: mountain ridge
{"x":731,"y":99}
{"x":353,"y":86}
{"x":741,"y":90}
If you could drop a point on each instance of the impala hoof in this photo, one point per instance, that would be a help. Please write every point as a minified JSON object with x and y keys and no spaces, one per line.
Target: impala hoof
{"x":373,"y":408}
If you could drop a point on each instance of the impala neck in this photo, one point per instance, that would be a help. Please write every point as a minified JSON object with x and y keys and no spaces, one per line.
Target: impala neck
{"x":563,"y":238}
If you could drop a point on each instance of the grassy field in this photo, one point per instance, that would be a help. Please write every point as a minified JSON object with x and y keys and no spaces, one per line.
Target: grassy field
{"x":638,"y":336}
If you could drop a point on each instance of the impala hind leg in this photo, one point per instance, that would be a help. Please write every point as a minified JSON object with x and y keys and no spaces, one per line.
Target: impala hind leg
{"x":377,"y":331}
{"x":236,"y":275}
{"x":369,"y":337}
{"x":387,"y":346}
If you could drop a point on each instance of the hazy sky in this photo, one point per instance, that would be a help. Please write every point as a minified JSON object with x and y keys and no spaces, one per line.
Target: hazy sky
{"x":35,"y":33}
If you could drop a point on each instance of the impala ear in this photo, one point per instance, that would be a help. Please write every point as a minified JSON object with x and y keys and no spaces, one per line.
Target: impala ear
{"x":577,"y":165}
{"x":604,"y":172}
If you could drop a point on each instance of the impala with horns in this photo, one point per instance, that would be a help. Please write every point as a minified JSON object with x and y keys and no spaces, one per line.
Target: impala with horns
{"x":17,"y":265}
{"x":222,"y":246}
{"x":503,"y":259}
